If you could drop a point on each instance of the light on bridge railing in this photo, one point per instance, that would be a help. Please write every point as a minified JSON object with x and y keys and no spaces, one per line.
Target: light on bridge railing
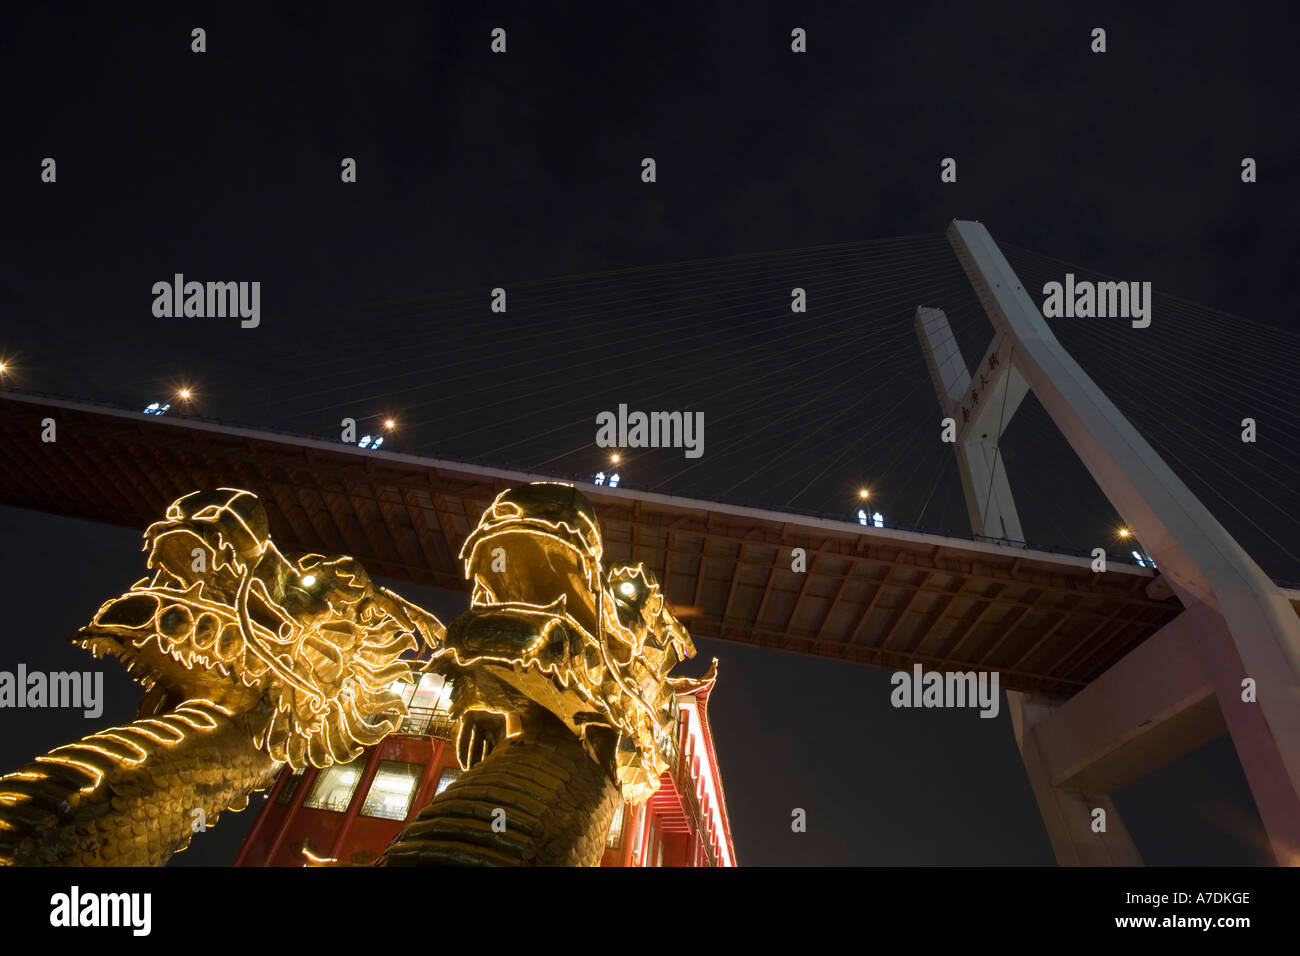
{"x":1143,"y":560}
{"x":1140,"y":556}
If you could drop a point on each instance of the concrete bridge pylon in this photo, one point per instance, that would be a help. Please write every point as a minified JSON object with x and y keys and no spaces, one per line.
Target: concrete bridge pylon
{"x":1230,"y":662}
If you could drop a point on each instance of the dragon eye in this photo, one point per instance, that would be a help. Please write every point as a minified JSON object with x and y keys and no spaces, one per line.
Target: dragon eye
{"x":308,"y":580}
{"x":628,"y":588}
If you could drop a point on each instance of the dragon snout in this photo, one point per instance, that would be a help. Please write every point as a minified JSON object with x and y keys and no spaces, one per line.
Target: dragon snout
{"x":511,"y":637}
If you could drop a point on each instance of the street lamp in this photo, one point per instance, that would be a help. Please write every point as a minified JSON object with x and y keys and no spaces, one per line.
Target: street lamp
{"x":1139,"y":554}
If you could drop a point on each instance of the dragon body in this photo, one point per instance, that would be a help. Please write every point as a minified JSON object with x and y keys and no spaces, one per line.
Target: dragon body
{"x":133,"y":795}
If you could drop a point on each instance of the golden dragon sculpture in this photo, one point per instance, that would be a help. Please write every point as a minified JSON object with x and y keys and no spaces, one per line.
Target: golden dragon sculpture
{"x":251,"y":659}
{"x":561,"y":684}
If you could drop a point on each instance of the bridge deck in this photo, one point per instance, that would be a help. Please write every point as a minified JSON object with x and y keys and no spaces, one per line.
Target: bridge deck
{"x":875,"y":596}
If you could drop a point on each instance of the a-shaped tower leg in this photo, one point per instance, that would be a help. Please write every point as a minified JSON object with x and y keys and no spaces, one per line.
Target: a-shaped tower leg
{"x":1068,"y":814}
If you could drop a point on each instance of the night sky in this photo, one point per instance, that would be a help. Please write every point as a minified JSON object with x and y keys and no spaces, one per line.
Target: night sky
{"x":775,"y":169}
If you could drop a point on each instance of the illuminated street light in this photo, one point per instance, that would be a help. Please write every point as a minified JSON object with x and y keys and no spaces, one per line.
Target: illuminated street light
{"x":1140,"y":556}
{"x":866,"y":517}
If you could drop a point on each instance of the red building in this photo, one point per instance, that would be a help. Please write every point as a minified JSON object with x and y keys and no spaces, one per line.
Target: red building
{"x":349,"y":813}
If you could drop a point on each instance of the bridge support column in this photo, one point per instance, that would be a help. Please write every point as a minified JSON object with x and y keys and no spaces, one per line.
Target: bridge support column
{"x":1067,"y":814}
{"x":1248,"y":635}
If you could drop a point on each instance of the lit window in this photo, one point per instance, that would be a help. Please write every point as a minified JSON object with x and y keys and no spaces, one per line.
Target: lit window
{"x":429,"y":692}
{"x":404,"y":689}
{"x":449,"y":776}
{"x":291,"y":786}
{"x":392,"y":790}
{"x":334,"y":787}
{"x":615,"y":828}
{"x":431,"y":698}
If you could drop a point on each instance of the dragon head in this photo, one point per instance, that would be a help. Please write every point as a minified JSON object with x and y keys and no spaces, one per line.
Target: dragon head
{"x":548,"y":624}
{"x":304,"y":644}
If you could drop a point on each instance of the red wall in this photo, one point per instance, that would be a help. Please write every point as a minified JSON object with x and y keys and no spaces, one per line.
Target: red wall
{"x":281,"y":829}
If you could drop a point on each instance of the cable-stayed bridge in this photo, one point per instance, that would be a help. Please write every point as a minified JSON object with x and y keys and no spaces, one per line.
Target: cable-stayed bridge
{"x":1110,"y":674}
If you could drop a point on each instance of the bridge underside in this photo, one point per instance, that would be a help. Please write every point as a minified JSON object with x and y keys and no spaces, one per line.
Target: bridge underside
{"x":869,"y":595}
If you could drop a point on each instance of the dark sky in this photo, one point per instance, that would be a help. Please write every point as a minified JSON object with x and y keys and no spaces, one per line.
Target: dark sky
{"x":523,"y":171}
